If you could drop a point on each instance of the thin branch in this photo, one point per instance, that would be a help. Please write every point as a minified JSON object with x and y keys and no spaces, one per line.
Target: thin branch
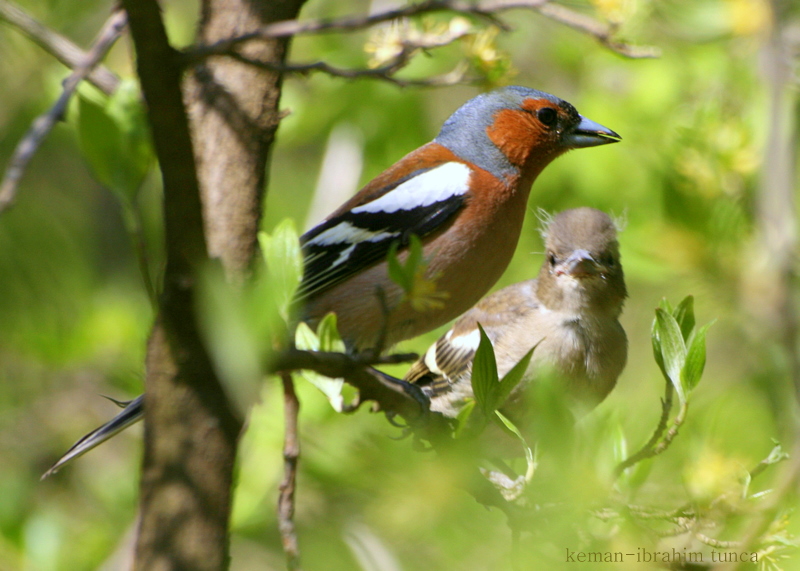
{"x":718,"y":543}
{"x":27,"y":147}
{"x":57,"y":45}
{"x":648,"y":450}
{"x":385,"y":72}
{"x":602,"y":32}
{"x":291,"y":454}
{"x":487,"y":9}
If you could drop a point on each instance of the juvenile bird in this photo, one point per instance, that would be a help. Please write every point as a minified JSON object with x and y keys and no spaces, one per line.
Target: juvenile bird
{"x":570,"y":312}
{"x":464,"y":195}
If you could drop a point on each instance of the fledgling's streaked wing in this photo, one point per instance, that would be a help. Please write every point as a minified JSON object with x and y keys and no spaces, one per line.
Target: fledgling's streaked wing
{"x":450,"y":358}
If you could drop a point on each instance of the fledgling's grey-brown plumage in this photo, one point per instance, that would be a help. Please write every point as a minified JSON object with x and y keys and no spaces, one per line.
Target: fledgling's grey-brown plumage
{"x":571,"y":310}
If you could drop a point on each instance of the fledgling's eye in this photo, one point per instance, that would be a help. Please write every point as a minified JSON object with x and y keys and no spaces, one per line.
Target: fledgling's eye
{"x":607,"y":260}
{"x":547,"y":115}
{"x":551,"y":257}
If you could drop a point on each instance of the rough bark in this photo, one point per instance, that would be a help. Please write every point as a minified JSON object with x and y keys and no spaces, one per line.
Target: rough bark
{"x":234,"y":113}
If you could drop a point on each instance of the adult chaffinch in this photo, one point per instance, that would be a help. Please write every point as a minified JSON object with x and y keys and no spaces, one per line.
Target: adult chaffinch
{"x":464,"y":195}
{"x":569,"y":313}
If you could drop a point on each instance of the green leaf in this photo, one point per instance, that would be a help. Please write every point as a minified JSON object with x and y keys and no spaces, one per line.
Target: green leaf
{"x":396,"y":270}
{"x":484,"y":375}
{"x":673,"y":350}
{"x":655,"y":339}
{"x":127,"y":110}
{"x":414,"y":255}
{"x":306,"y":339}
{"x":114,"y":139}
{"x":328,"y":335}
{"x":666,"y":305}
{"x":404,"y":275}
{"x":512,"y":379}
{"x":684,"y":315}
{"x":506,"y":423}
{"x":462,"y":419}
{"x":695,"y":359}
{"x":620,"y":444}
{"x":284,"y":260}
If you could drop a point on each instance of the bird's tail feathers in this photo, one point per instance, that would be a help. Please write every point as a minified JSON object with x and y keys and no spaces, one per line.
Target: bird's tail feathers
{"x":131,"y":414}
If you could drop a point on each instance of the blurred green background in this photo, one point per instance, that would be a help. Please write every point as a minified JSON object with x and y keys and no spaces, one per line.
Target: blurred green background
{"x":704,"y":128}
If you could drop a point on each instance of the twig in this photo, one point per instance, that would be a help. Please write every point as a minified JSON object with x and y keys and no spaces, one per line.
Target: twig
{"x":291,"y":454}
{"x":57,"y":45}
{"x":601,"y":31}
{"x":718,"y":543}
{"x":487,"y":9}
{"x":27,"y":147}
{"x":383,"y":72}
{"x":649,"y":449}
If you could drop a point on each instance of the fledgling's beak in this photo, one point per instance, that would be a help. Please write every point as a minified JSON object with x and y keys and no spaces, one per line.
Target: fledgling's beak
{"x":579,"y":264}
{"x":587,"y":133}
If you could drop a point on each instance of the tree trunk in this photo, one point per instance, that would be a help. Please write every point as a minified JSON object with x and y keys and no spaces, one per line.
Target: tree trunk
{"x":234,"y":112}
{"x":191,"y":430}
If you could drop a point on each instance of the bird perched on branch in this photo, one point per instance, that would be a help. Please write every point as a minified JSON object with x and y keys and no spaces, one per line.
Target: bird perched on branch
{"x":464,"y":195}
{"x":570,"y":313}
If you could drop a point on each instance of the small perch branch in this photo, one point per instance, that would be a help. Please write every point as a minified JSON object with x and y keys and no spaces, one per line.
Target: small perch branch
{"x":57,"y":45}
{"x":32,"y":140}
{"x":291,"y":455}
{"x":392,"y":395}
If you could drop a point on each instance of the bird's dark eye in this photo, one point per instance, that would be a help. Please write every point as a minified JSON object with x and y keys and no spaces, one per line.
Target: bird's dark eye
{"x":547,"y":115}
{"x":607,"y":260}
{"x":551,"y":257}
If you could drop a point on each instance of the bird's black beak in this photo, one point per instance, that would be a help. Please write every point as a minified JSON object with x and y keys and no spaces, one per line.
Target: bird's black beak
{"x":587,"y":133}
{"x":579,"y":264}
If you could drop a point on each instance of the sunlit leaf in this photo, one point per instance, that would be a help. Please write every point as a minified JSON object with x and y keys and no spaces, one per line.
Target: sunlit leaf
{"x":305,"y":338}
{"x":695,"y":358}
{"x":684,"y":315}
{"x":328,"y":334}
{"x":510,"y":381}
{"x":655,"y":339}
{"x":284,"y":260}
{"x":396,"y":270}
{"x":126,"y":108}
{"x":114,"y":139}
{"x":673,"y":350}
{"x":419,"y":289}
{"x":620,"y":444}
{"x":463,"y":417}
{"x":414,"y":260}
{"x":325,"y":339}
{"x":530,"y":460}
